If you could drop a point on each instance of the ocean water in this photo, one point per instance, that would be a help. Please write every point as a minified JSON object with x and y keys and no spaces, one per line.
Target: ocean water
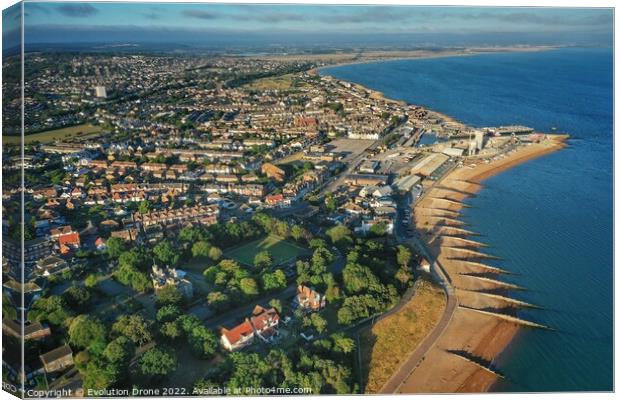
{"x":550,"y":219}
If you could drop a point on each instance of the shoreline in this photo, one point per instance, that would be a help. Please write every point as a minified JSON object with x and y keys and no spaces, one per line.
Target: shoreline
{"x":479,"y":335}
{"x":429,"y":54}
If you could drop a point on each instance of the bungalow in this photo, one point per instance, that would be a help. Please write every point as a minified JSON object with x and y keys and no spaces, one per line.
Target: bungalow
{"x":57,"y":359}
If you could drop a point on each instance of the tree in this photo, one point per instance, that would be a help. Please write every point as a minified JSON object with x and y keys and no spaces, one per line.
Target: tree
{"x":91,"y":281}
{"x":144,"y":207}
{"x":116,"y":246}
{"x":215,"y":253}
{"x":263,"y":260}
{"x":169,"y":294}
{"x":157,"y":362}
{"x":340,"y":235}
{"x":188,"y":322}
{"x":99,"y":374}
{"x":274,"y":281}
{"x":86,"y":330}
{"x":318,"y":322}
{"x":171,"y":330}
{"x":210,"y":273}
{"x":379,"y":229}
{"x":166,"y":253}
{"x":119,"y":351}
{"x":134,"y":327}
{"x":169,"y":312}
{"x":201,"y":249}
{"x":403,"y":275}
{"x":218,"y":300}
{"x":330,"y":203}
{"x":248,"y":286}
{"x":359,"y":278}
{"x":297,"y":232}
{"x":129,"y":275}
{"x":202,"y":341}
{"x":52,"y":309}
{"x":403,"y":256}
{"x":77,"y":297}
{"x":342,"y":343}
{"x":316,"y":243}
{"x":277,"y":304}
{"x":191,"y":234}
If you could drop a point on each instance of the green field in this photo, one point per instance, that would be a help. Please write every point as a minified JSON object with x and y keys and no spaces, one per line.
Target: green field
{"x":55,"y":134}
{"x":281,"y":82}
{"x":280,"y":250}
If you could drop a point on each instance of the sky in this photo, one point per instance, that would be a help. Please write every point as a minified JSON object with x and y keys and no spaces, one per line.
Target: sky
{"x":67,"y":22}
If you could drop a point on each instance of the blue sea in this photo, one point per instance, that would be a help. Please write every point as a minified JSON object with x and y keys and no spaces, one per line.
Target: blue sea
{"x":550,"y":219}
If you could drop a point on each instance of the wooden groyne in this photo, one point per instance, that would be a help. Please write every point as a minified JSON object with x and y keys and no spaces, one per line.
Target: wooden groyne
{"x":508,"y":318}
{"x":510,"y":300}
{"x":449,"y":201}
{"x":478,"y":361}
{"x":471,"y":253}
{"x":488,"y":268}
{"x":506,"y":285}
{"x":464,"y":242}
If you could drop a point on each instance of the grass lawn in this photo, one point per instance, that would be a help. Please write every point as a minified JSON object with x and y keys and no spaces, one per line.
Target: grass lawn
{"x":55,"y":134}
{"x":386,"y":345}
{"x":282,"y":82}
{"x":280,"y":249}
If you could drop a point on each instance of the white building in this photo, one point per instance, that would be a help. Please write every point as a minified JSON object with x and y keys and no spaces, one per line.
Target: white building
{"x":101,"y":92}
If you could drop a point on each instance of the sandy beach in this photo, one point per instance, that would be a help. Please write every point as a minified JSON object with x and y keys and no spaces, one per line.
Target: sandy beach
{"x":470,"y":336}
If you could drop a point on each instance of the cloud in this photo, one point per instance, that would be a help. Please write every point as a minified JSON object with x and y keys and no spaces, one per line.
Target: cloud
{"x":77,"y":10}
{"x":273,"y":17}
{"x":200,"y":14}
{"x":557,"y":19}
{"x":374,"y":14}
{"x":36,"y":7}
{"x":152,"y":14}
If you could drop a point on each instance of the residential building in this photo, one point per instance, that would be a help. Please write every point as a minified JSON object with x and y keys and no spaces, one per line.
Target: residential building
{"x":57,"y":359}
{"x":163,"y":277}
{"x":308,"y":299}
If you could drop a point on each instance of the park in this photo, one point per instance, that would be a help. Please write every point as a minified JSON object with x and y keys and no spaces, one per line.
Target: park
{"x":280,"y":249}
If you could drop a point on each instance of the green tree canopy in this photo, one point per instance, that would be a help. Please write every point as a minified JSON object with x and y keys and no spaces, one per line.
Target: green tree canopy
{"x":166,"y":253}
{"x":263,"y":260}
{"x":134,"y":327}
{"x":169,"y":294}
{"x":157,"y":362}
{"x":85,"y":330}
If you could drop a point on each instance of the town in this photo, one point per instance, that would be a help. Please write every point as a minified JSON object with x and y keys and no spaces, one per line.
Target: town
{"x":192,"y":221}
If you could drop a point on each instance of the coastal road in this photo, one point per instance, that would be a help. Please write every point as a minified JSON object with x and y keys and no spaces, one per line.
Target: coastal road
{"x":409,"y":365}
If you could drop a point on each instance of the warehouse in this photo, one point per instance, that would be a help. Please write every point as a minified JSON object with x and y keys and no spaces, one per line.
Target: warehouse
{"x":406,"y":183}
{"x":429,"y":164}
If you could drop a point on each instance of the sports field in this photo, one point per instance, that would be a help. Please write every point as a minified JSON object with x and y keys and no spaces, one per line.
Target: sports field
{"x":280,"y":249}
{"x":55,"y":134}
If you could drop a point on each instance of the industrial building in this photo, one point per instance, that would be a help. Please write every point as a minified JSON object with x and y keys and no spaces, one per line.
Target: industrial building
{"x":429,"y":164}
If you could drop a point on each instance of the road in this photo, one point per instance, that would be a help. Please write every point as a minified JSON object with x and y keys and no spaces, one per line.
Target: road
{"x":408,"y":366}
{"x":353,"y":163}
